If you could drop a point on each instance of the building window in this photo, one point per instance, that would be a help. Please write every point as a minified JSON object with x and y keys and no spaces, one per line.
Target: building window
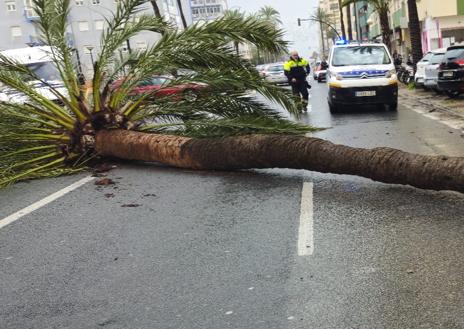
{"x":83,"y":26}
{"x":10,"y":5}
{"x":95,"y":2}
{"x":79,"y":2}
{"x":99,"y":25}
{"x":16,"y":31}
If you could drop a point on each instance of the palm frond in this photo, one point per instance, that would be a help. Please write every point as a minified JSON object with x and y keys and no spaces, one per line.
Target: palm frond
{"x":44,"y":138}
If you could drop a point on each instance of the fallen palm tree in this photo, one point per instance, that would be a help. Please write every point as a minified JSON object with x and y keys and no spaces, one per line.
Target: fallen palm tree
{"x":221,"y":128}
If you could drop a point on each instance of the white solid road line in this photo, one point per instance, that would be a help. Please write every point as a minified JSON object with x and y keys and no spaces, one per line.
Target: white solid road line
{"x":39,"y":204}
{"x":306,"y":230}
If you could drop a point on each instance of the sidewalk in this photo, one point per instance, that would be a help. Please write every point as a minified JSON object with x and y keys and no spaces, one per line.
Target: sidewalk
{"x":439,"y":107}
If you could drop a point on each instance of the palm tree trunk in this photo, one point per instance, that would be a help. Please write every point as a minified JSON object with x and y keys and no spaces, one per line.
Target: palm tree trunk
{"x":415,"y":32}
{"x":350,"y":26}
{"x":385,"y":26}
{"x":342,"y":20}
{"x":181,"y":13}
{"x":322,"y":38}
{"x":297,"y":152}
{"x":155,"y":8}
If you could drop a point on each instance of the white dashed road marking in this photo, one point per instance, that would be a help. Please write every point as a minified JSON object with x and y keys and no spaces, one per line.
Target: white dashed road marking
{"x":39,"y":204}
{"x":305,"y":232}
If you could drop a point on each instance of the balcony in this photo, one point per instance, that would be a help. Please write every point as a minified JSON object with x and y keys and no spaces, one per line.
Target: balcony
{"x":30,"y":14}
{"x":398,"y":18}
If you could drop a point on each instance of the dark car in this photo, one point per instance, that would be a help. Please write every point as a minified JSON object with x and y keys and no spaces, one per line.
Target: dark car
{"x":451,"y":72}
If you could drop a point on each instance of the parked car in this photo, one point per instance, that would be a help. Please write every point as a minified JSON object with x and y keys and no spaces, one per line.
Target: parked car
{"x":321,"y":72}
{"x":159,"y":86}
{"x":451,"y":72}
{"x":420,"y":72}
{"x":315,"y":66}
{"x":274,"y":73}
{"x":431,"y":70}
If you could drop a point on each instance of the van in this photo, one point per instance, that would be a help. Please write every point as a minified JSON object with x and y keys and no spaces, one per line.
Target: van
{"x":361,"y":74}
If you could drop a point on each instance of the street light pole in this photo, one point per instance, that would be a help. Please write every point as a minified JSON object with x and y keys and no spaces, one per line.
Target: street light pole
{"x":90,"y":49}
{"x":321,"y":22}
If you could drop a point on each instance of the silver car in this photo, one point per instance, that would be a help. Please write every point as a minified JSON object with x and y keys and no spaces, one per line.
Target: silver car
{"x":274,"y":73}
{"x":431,"y":70}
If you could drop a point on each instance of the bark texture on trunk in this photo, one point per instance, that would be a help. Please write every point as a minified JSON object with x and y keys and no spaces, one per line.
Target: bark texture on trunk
{"x":415,"y":31}
{"x":342,"y":19}
{"x":385,"y":26}
{"x":350,"y":25}
{"x":322,"y":39}
{"x":297,"y":152}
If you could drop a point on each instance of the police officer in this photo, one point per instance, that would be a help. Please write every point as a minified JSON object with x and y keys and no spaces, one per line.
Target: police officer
{"x":297,"y":69}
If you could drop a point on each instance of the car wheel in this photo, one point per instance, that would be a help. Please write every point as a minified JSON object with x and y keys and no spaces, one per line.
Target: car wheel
{"x":190,"y":95}
{"x":393,"y":107}
{"x":333,"y":108}
{"x":319,"y":79}
{"x":438,"y":91}
{"x":452,"y":94}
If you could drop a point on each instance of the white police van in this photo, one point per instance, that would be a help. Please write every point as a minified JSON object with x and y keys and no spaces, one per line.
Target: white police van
{"x":361,"y":73}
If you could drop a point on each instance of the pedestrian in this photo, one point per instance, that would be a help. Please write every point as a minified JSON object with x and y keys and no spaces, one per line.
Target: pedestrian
{"x":297,"y":69}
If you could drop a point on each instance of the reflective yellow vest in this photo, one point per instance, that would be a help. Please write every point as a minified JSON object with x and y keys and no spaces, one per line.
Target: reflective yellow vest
{"x":296,"y":69}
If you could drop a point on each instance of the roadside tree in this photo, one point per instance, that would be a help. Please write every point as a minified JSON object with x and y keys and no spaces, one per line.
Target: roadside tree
{"x":415,"y":32}
{"x":382,"y":8}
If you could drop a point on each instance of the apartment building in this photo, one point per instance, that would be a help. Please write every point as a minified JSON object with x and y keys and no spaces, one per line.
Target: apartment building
{"x":331,"y":8}
{"x":442,"y":24}
{"x":207,"y":10}
{"x":18,"y":26}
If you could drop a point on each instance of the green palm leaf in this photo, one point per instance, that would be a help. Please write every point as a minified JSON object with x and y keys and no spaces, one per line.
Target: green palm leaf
{"x":44,"y":138}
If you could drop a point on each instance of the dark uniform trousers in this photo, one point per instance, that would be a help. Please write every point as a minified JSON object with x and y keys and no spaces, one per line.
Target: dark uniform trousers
{"x":300,"y":87}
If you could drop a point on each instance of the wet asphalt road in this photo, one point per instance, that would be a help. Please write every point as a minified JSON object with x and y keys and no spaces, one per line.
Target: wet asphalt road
{"x":219,"y":250}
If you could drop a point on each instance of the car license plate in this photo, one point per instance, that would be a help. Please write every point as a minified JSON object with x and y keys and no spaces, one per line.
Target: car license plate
{"x":448,"y":74}
{"x":366,"y":93}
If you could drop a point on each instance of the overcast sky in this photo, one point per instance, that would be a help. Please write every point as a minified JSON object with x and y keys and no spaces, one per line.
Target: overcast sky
{"x":304,"y":38}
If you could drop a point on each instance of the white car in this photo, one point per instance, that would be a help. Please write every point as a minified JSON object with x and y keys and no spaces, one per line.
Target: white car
{"x":431,"y":70}
{"x":419,"y":78}
{"x":274,"y":73}
{"x":359,"y":74}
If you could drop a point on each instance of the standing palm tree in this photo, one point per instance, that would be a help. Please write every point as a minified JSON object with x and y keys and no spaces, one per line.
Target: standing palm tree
{"x":223,"y":128}
{"x":270,"y":14}
{"x":272,"y":17}
{"x":415,"y":32}
{"x":382,"y":8}
{"x":342,"y":19}
{"x":235,"y":14}
{"x":350,"y":25}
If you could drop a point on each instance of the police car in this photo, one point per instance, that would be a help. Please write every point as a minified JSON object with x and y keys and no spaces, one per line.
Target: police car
{"x":361,"y":73}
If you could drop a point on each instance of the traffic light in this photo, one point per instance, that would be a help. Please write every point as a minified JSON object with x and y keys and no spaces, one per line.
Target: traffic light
{"x":299,"y":21}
